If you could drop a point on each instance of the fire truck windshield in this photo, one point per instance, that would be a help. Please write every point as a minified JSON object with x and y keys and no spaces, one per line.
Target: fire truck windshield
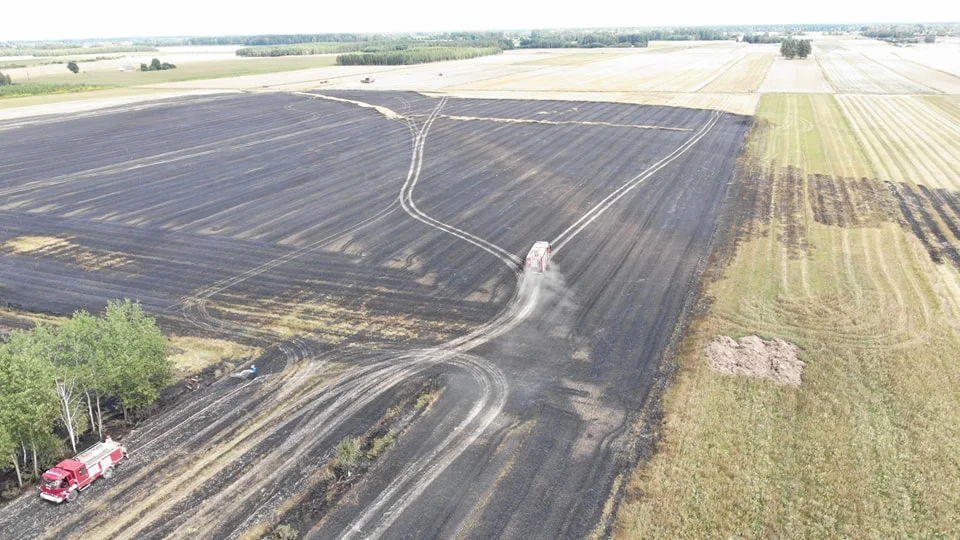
{"x":54,"y":484}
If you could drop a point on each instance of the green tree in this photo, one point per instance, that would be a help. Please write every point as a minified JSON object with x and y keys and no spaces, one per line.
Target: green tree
{"x":804,"y":48}
{"x":133,"y":361}
{"x":155,"y":65}
{"x":5,"y":79}
{"x":72,"y":66}
{"x":8,"y":447}
{"x":144,"y":67}
{"x":66,"y":378}
{"x":789,"y":48}
{"x":28,"y":403}
{"x":75,"y":362}
{"x":930,"y":38}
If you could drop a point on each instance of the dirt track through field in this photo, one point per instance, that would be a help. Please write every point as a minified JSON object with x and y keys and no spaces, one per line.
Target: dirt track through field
{"x":577,"y":368}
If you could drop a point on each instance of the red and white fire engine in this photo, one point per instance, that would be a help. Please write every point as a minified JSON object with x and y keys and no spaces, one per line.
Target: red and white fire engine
{"x":539,"y":256}
{"x":71,"y":476}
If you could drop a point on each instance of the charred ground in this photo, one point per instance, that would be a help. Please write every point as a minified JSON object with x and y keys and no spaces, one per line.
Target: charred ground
{"x":275,"y":219}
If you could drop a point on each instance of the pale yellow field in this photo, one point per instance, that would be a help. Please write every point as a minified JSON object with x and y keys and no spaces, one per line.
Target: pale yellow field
{"x":802,"y":76}
{"x":907,"y":138}
{"x":746,"y":75}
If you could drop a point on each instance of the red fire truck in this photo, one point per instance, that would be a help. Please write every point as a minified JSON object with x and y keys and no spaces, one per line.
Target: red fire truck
{"x":71,"y":476}
{"x":539,"y":256}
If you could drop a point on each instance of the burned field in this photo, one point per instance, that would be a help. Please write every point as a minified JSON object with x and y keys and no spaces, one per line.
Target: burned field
{"x":371,"y":250}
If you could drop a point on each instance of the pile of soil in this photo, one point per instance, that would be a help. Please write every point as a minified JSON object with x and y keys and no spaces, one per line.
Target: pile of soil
{"x":755,"y":357}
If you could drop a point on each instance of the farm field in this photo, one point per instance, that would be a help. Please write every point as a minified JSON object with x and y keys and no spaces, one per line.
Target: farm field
{"x":367,"y":238}
{"x":848,"y":250}
{"x":372,"y":253}
{"x":189,"y":69}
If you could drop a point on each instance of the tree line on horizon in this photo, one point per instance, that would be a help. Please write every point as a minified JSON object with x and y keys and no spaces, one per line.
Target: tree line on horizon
{"x":299,"y":49}
{"x":414,"y":56}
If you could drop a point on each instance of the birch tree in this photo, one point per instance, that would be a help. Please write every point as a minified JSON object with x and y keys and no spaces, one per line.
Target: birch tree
{"x":28,"y":403}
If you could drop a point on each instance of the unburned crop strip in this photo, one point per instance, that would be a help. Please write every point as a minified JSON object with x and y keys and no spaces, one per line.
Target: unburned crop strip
{"x":876,"y":344}
{"x":905,"y":139}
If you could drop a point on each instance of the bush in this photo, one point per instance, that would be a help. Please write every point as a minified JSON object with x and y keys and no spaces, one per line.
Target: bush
{"x":348,"y":451}
{"x":5,"y":79}
{"x":72,"y":66}
{"x":156,"y":65}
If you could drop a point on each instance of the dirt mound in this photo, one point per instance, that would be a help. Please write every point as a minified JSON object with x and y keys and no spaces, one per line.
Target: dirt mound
{"x":753,"y":356}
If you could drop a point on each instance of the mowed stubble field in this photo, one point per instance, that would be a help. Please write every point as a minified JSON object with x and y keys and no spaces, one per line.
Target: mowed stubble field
{"x":845,"y":243}
{"x":367,"y":255}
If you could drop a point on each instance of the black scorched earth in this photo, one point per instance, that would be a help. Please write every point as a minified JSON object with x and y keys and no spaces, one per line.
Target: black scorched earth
{"x":371,"y":250}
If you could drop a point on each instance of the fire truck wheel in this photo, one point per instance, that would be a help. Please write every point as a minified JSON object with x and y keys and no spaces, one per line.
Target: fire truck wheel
{"x":108,"y":473}
{"x":73,"y":496}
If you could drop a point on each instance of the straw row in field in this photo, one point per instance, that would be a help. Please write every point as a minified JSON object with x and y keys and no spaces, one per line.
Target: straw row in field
{"x":907,"y":139}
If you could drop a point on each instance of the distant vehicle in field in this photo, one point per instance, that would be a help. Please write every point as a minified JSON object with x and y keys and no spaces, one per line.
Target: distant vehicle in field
{"x":367,"y":80}
{"x":538,"y":257}
{"x":71,"y":476}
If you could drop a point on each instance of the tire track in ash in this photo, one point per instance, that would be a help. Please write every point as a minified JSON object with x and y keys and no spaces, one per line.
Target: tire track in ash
{"x":490,"y":381}
{"x":415,"y":478}
{"x":591,"y":215}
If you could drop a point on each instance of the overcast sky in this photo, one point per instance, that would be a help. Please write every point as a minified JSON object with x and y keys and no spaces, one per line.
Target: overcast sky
{"x":58,"y":19}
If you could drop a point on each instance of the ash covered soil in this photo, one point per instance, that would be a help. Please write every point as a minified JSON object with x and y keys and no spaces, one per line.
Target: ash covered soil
{"x":369,"y":253}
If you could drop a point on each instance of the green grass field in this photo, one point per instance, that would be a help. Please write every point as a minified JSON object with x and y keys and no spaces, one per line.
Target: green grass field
{"x":869,"y":445}
{"x":190,"y":71}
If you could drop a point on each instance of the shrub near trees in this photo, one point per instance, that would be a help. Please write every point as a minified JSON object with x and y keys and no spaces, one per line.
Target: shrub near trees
{"x":61,"y":379}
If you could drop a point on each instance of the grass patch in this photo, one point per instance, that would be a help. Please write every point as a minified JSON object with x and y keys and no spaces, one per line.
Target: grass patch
{"x":379,"y":444}
{"x":39,"y":88}
{"x":191,"y":355}
{"x":866,"y":446}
